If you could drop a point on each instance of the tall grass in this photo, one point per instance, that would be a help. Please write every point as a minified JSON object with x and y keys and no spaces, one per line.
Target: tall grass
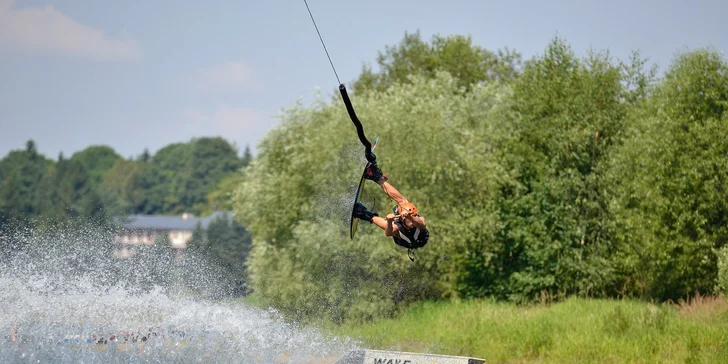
{"x":576,"y":330}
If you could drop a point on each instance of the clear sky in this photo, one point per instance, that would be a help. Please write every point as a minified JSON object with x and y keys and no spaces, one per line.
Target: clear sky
{"x":139,"y":74}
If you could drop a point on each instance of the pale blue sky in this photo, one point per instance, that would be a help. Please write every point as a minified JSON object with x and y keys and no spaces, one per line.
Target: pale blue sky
{"x":142,"y":74}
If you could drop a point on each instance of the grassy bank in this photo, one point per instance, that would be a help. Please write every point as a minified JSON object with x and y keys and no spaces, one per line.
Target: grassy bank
{"x":577,"y":330}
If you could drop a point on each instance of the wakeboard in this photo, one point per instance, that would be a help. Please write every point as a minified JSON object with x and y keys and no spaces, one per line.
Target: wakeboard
{"x":354,"y":222}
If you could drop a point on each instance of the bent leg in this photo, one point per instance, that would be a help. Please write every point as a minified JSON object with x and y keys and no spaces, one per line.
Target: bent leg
{"x":380,"y":221}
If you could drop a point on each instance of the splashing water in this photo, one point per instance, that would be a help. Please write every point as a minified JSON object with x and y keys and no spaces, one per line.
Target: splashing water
{"x":334,"y":201}
{"x":66,"y":298}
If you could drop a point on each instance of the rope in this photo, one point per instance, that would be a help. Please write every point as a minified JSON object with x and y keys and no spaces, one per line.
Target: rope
{"x":342,"y":89}
{"x":322,"y":41}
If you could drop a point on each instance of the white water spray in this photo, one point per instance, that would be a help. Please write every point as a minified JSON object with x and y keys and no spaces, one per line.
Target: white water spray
{"x":66,"y":298}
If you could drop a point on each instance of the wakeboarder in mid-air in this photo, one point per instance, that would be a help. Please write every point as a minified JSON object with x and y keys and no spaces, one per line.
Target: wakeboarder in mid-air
{"x":404,"y":225}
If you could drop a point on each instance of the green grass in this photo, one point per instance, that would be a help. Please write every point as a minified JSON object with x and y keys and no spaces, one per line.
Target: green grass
{"x":574,"y":331}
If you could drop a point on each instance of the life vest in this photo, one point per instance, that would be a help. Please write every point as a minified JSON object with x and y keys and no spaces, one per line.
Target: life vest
{"x":409,"y":238}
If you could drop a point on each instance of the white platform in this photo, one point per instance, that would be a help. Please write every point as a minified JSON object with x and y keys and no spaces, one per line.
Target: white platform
{"x":395,"y":357}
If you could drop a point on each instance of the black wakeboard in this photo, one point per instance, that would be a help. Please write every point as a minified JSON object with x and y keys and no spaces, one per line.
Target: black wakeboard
{"x":354,"y":222}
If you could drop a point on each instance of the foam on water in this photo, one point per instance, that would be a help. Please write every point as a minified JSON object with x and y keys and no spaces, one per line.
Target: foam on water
{"x":66,"y":298}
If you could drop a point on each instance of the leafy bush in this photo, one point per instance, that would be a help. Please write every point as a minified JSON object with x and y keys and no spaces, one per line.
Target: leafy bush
{"x":669,"y":176}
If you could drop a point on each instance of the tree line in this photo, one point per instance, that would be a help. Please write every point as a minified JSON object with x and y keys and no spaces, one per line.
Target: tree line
{"x":561,"y":175}
{"x":98,"y":182}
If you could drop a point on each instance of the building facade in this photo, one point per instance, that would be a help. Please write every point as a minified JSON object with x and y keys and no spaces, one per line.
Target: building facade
{"x":137,"y":230}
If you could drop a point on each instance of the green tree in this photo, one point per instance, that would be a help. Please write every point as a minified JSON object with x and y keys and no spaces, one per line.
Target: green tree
{"x":145,"y":156}
{"x":97,"y":159}
{"x":247,"y":157}
{"x":221,"y":198}
{"x":669,"y":179}
{"x":153,"y":186}
{"x":181,"y":175}
{"x":161,"y":183}
{"x":455,"y":54}
{"x":121,"y":188}
{"x":66,"y":192}
{"x":21,"y":171}
{"x":210,"y":160}
{"x":570,"y":114}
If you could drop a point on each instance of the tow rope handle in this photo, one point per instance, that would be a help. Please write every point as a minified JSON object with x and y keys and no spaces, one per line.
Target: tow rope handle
{"x":359,"y":129}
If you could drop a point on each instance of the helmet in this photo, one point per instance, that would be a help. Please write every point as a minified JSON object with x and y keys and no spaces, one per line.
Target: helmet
{"x":408,"y":206}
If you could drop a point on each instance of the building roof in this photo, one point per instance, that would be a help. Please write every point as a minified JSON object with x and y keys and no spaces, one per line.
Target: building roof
{"x":160,"y":222}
